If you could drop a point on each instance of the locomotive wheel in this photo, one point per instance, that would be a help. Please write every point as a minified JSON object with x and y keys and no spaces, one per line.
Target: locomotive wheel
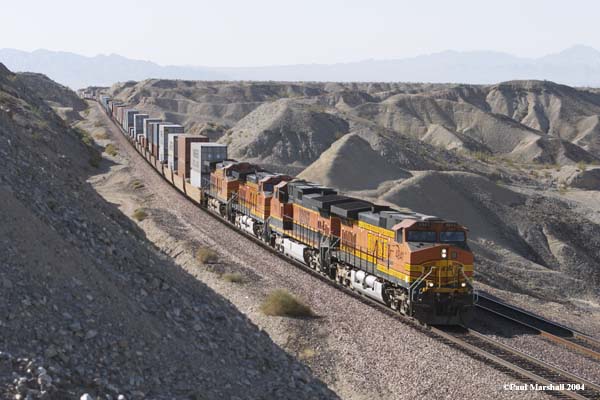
{"x":404,"y":308}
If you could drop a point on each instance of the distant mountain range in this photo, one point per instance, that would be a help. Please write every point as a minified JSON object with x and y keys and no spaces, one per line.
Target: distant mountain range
{"x":575,"y":66}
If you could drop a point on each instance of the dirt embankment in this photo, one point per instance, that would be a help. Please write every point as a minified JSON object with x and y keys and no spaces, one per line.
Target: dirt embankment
{"x":89,"y":305}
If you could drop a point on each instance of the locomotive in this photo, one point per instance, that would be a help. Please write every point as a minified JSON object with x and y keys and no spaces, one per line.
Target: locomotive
{"x":417,"y":264}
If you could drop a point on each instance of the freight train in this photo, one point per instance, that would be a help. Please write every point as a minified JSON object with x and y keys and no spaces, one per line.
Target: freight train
{"x":416,"y":264}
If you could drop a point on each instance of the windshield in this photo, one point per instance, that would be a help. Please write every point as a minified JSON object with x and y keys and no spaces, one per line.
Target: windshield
{"x":452,"y":236}
{"x":420,"y":236}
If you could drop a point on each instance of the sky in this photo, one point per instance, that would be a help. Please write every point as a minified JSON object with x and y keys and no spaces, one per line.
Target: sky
{"x":269,"y":32}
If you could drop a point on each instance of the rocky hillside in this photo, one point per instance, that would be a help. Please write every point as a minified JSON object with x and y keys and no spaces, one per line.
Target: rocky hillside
{"x":524,"y":121}
{"x":53,"y":93}
{"x":88,"y":305}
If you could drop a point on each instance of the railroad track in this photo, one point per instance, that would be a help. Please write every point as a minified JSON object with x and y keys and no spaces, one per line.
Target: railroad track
{"x":504,"y":358}
{"x":563,"y":335}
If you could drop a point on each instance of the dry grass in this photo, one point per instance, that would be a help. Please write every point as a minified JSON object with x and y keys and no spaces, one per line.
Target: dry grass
{"x":306,"y":354}
{"x":100,"y":136}
{"x":582,"y":166}
{"x":111,"y":150}
{"x":234,"y":277}
{"x":206,"y":255}
{"x":282,"y":303}
{"x":140,"y":214}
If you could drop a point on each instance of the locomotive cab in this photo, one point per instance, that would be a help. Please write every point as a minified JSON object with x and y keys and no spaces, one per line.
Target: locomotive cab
{"x":437,"y":256}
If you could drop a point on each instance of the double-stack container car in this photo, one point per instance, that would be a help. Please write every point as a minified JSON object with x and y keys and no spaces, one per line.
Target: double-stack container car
{"x":202,"y":156}
{"x":164,"y":131}
{"x":184,"y":150}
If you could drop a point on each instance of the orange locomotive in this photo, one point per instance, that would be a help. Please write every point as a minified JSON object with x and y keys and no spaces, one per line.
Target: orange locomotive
{"x":417,"y":264}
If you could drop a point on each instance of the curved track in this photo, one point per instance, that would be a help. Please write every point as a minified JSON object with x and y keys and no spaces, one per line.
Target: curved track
{"x":506,"y":359}
{"x":563,"y":335}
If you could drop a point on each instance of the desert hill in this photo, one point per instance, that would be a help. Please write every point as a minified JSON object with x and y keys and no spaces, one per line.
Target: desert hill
{"x":283,"y":132}
{"x":352,"y":153}
{"x":524,"y":121}
{"x":88,"y":304}
{"x":51,"y":92}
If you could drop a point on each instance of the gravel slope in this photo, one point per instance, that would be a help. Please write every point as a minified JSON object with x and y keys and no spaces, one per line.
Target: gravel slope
{"x":89,"y":305}
{"x":360,"y":353}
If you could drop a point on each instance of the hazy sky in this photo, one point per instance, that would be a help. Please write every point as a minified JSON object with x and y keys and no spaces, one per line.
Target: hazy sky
{"x":267,"y":32}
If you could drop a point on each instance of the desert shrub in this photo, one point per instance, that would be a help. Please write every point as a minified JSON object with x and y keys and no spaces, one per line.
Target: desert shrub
{"x":137,"y":184}
{"x":234,"y":277}
{"x":206,"y":255}
{"x":111,"y":150}
{"x":140,"y":214}
{"x":582,"y":166}
{"x":95,"y":157}
{"x":481,"y":156}
{"x":282,"y":303}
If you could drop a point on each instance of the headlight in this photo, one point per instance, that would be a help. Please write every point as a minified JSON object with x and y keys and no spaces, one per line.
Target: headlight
{"x":444,"y":253}
{"x":430,"y":284}
{"x":464,"y":284}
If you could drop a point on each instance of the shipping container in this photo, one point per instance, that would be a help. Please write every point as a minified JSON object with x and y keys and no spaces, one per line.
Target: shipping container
{"x":199,"y":180}
{"x":184,"y":143}
{"x":203,"y":154}
{"x":172,"y":161}
{"x":148,"y":128}
{"x":128,"y":118}
{"x":164,"y":131}
{"x":156,"y":131}
{"x":138,"y":123}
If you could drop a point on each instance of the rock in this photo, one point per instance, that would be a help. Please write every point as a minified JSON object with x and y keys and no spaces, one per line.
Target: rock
{"x":51,"y":352}
{"x":75,"y":326}
{"x":86,"y":396}
{"x":7,"y":284}
{"x":588,"y":179}
{"x":91,"y":334}
{"x":44,"y":380}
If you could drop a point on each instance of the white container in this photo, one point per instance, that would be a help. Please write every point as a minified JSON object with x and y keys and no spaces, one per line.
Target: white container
{"x":147,"y":128}
{"x":172,"y":159}
{"x":138,"y":124}
{"x":202,"y":154}
{"x":164,"y":131}
{"x":128,"y":119}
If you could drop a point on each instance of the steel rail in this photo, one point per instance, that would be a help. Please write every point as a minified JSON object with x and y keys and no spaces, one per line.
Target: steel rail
{"x":553,"y":331}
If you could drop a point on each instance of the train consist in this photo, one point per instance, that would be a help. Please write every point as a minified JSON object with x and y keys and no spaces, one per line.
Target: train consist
{"x":417,"y":264}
